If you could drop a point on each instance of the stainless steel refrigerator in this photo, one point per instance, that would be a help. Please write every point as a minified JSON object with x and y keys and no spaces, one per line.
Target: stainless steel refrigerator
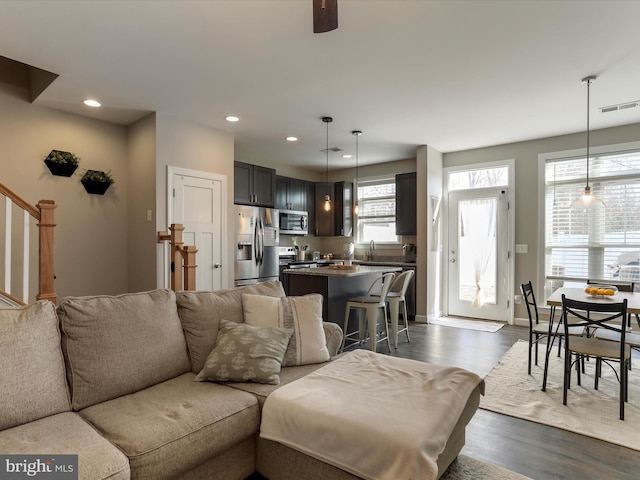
{"x":257,"y":239}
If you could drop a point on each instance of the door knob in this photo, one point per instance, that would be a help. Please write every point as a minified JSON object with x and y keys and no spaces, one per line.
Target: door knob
{"x":453,"y":260}
{"x":217,"y":265}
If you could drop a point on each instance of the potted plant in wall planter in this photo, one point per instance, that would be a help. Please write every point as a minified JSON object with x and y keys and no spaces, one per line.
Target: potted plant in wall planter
{"x":96,"y":181}
{"x":61,"y":163}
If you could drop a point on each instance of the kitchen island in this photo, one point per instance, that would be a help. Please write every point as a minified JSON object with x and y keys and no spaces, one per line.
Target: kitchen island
{"x":335,"y":285}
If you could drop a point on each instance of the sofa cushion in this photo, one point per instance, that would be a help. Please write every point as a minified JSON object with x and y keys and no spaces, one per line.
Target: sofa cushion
{"x":68,"y":434}
{"x":245,"y":353}
{"x":32,"y":377}
{"x":176,"y":425}
{"x":121,"y":344}
{"x":201,"y":312}
{"x":303,"y":314}
{"x":287,"y":375}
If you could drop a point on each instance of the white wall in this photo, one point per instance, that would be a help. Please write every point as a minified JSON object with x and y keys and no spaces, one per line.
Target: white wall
{"x":184,"y":144}
{"x":142,"y":199}
{"x":526,"y":186}
{"x":90,"y":236}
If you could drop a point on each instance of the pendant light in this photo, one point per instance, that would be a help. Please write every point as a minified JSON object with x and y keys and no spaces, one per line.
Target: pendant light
{"x":587,"y":199}
{"x":357,"y":133}
{"x":327,"y":199}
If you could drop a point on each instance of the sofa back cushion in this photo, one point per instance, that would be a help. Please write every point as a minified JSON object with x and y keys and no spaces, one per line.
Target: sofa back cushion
{"x":201,"y":312}
{"x":32,"y":378}
{"x":115,"y":345}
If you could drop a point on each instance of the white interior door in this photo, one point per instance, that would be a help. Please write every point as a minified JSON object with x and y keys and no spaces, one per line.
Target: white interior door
{"x":198,"y":202}
{"x":478,"y":254}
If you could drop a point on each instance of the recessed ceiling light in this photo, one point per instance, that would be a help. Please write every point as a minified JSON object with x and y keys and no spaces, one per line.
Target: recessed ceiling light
{"x":232,"y":118}
{"x":346,"y":155}
{"x":92,"y":103}
{"x":292,"y":139}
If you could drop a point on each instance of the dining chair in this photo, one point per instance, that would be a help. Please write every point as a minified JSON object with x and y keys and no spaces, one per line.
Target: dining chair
{"x":372,"y":303}
{"x":609,"y":316}
{"x":537,"y":330}
{"x":395,"y":298}
{"x":622,"y":287}
{"x":540,"y":330}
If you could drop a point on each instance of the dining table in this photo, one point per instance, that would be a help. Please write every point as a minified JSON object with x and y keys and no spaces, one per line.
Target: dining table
{"x":578,"y":293}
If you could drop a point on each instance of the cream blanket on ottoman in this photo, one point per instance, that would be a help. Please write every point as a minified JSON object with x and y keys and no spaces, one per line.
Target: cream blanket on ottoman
{"x":375,"y":416}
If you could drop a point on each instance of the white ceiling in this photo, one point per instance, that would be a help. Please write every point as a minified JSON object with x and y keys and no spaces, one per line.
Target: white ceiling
{"x":454,"y":75}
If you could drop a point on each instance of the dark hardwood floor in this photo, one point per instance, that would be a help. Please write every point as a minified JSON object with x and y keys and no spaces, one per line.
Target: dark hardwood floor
{"x":534,"y":450}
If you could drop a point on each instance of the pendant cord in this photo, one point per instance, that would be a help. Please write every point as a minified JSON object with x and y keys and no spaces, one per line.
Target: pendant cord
{"x":588,"y":89}
{"x":327,"y":151}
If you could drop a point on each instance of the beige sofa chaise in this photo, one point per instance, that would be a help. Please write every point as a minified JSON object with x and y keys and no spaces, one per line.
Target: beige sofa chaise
{"x":111,"y":379}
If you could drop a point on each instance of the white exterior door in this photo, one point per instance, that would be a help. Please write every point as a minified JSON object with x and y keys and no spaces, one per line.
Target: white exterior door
{"x":478,"y":254}
{"x":198,"y":201}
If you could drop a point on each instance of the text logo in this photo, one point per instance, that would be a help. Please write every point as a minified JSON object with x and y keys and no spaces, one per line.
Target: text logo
{"x":49,"y":467}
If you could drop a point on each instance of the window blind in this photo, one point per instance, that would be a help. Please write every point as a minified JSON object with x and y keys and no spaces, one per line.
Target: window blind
{"x":599,"y":242}
{"x":377,"y":216}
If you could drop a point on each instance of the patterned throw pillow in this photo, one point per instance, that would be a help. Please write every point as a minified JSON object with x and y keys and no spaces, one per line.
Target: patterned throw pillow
{"x":244,"y":353}
{"x":303,"y":314}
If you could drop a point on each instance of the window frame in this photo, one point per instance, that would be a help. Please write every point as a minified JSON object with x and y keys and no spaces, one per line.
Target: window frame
{"x":578,"y":154}
{"x":382,"y":180}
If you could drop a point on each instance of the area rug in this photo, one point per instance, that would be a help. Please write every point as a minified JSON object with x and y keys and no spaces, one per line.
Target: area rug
{"x":468,"y":468}
{"x":479,"y":325}
{"x":595,"y":413}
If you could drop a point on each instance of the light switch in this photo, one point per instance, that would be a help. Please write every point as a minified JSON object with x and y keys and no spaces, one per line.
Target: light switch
{"x":149,"y":216}
{"x":522,"y":248}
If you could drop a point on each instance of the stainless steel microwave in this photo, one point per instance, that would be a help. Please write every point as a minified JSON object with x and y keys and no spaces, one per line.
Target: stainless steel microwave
{"x":294,"y":222}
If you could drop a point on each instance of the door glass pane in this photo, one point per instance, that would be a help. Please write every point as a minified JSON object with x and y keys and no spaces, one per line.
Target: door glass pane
{"x":477,"y":251}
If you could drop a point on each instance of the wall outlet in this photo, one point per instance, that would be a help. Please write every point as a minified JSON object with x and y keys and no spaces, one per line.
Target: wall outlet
{"x":149,"y":215}
{"x":517,"y":299}
{"x":522,"y":248}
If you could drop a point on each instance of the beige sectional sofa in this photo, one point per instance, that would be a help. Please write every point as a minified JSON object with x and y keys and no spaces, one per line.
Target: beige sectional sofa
{"x":111,"y":379}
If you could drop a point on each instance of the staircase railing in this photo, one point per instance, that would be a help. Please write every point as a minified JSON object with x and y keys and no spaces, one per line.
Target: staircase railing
{"x":43,"y":215}
{"x":181,"y":255}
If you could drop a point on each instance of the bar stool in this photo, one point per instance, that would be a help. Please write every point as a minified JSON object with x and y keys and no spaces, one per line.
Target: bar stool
{"x":395,"y":297}
{"x":371,"y":304}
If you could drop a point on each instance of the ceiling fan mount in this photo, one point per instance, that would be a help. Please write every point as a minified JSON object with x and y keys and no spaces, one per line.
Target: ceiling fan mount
{"x":325,"y":15}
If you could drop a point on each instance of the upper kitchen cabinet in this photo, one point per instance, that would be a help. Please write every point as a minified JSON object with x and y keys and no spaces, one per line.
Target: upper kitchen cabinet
{"x":339,"y":220}
{"x":406,"y":204}
{"x":344,"y":209}
{"x":291,"y":194}
{"x":324,"y":220}
{"x":253,"y":185}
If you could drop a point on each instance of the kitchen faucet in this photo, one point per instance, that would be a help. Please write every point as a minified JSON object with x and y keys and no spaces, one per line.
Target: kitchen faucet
{"x":372,"y":247}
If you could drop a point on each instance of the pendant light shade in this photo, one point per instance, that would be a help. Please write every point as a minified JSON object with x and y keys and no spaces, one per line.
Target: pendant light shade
{"x":327,"y":198}
{"x":587,"y":199}
{"x":356,"y":208}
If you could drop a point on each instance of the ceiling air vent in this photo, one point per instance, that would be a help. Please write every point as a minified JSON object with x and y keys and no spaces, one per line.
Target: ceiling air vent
{"x":331,"y":149}
{"x":620,"y":106}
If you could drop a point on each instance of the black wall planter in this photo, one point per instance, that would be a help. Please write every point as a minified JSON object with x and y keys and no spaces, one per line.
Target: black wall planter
{"x":57,"y":168}
{"x":95,"y":187}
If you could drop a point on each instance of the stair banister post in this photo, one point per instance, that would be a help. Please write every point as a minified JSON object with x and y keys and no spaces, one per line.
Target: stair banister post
{"x":176,"y":257}
{"x":189,"y":267}
{"x":45,"y":233}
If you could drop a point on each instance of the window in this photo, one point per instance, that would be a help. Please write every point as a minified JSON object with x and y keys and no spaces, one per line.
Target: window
{"x":377,"y":210}
{"x":600,"y":242}
{"x":482,"y":178}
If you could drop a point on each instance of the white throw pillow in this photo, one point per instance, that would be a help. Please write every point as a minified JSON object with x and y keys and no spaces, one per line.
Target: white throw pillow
{"x":303,"y":314}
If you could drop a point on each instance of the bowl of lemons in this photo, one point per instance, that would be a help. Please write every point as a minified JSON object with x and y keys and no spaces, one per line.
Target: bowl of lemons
{"x":600,"y":291}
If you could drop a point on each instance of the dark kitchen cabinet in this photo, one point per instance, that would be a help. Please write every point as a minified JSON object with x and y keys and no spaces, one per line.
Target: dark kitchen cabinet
{"x":324,"y":221}
{"x":254,"y":185}
{"x":291,"y":194}
{"x":406,"y":204}
{"x":344,"y":209}
{"x":310,"y":194}
{"x":339,"y":220}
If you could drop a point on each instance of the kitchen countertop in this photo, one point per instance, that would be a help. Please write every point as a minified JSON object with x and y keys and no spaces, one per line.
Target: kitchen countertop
{"x":330,"y":272}
{"x":384,"y":264}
